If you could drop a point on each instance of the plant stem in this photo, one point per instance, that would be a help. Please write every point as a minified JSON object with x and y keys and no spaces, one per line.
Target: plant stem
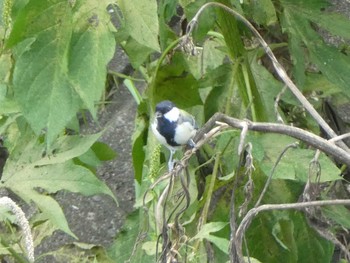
{"x":204,"y":215}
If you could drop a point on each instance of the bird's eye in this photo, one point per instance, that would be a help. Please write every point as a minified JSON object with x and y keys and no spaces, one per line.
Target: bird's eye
{"x":158,"y":114}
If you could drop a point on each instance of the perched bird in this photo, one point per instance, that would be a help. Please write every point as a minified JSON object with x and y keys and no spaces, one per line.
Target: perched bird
{"x":173,"y":128}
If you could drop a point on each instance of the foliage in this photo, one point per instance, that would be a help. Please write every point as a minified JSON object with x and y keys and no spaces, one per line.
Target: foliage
{"x":225,"y":71}
{"x":53,"y":57}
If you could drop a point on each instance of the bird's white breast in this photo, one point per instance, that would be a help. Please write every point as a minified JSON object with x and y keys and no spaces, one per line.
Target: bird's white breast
{"x":184,"y":132}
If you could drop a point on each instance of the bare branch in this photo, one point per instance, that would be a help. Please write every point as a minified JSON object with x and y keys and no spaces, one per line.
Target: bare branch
{"x":307,"y":137}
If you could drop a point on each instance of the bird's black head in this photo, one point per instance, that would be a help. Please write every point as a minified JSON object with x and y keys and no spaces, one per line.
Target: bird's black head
{"x":164,"y":106}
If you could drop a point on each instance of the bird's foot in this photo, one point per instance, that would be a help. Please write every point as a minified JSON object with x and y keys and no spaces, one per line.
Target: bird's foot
{"x":171,"y":165}
{"x":191,"y":143}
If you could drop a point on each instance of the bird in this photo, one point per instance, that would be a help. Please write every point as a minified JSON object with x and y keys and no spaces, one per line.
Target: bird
{"x":173,"y":128}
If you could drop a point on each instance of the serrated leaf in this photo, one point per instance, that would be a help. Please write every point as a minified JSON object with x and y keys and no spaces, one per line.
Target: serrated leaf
{"x":295,"y":163}
{"x":335,"y":23}
{"x":33,"y":177}
{"x":331,"y":62}
{"x":91,"y":44}
{"x":69,"y":147}
{"x":141,"y":21}
{"x":63,"y":66}
{"x":208,"y":228}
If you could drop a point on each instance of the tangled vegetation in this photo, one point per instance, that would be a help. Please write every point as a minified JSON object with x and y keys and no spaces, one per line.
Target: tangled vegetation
{"x":267,"y":180}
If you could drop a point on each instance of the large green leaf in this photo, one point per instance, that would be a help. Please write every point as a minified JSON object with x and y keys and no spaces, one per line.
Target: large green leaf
{"x":61,"y":56}
{"x":174,"y":83}
{"x":287,"y":238}
{"x":331,"y":62}
{"x":32,"y":177}
{"x":294,"y":165}
{"x":141,"y":21}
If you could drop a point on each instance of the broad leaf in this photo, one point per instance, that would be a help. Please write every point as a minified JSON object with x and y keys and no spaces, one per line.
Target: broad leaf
{"x":32,"y":177}
{"x":294,"y":165}
{"x":287,"y":237}
{"x":174,"y":83}
{"x":141,"y":21}
{"x":332,"y":63}
{"x":60,"y":61}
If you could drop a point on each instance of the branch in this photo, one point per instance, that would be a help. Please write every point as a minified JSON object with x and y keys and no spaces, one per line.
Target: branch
{"x":309,"y":138}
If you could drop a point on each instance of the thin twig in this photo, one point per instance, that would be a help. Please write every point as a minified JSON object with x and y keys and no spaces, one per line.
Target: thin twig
{"x":293,"y":145}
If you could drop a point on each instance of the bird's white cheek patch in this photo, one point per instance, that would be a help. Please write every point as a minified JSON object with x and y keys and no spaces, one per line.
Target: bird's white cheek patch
{"x":184,"y":132}
{"x":173,"y":114}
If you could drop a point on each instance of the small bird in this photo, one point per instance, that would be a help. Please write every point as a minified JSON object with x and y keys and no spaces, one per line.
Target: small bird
{"x":173,"y":128}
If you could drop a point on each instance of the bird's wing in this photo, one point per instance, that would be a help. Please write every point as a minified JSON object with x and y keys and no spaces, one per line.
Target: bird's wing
{"x":186,"y":117}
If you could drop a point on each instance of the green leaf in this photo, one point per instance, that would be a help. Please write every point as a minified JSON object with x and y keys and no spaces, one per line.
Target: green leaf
{"x":174,"y":83}
{"x":263,"y":12}
{"x":141,"y":21}
{"x":204,"y":233}
{"x":288,"y":238}
{"x":208,"y":228}
{"x":78,"y":252}
{"x":137,"y":53}
{"x":91,"y":44}
{"x":335,"y":23}
{"x":339,"y":214}
{"x":122,"y":248}
{"x":331,"y":62}
{"x":32,"y":177}
{"x":103,"y":151}
{"x":268,"y":87}
{"x":69,"y":147}
{"x":63,"y":66}
{"x":138,"y":141}
{"x":294,"y":165}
